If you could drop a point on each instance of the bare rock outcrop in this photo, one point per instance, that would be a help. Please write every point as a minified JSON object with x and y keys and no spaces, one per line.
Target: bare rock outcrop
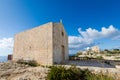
{"x":15,"y":71}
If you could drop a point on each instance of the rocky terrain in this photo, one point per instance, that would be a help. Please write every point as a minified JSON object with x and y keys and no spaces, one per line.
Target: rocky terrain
{"x":15,"y":71}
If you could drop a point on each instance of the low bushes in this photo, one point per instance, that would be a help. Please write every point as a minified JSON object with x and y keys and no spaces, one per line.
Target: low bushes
{"x":73,"y":73}
{"x":99,"y":76}
{"x":30,"y":62}
{"x":61,"y":73}
{"x":99,"y":57}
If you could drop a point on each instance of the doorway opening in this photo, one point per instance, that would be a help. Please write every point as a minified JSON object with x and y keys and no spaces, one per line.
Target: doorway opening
{"x":63,"y":53}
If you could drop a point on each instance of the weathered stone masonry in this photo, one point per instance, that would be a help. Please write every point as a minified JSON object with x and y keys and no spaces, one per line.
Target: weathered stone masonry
{"x":47,"y":44}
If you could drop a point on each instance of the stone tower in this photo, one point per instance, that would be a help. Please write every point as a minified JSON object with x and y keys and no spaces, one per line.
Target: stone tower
{"x":47,"y":44}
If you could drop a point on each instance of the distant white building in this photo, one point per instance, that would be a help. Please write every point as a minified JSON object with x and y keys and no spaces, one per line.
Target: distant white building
{"x":95,"y":49}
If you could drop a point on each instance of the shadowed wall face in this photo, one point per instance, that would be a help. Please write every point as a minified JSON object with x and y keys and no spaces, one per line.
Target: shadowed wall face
{"x":39,"y":44}
{"x":60,"y":43}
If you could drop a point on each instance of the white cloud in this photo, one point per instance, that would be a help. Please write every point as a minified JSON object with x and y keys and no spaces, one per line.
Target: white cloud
{"x":87,"y":38}
{"x":95,"y":34}
{"x":6,"y":43}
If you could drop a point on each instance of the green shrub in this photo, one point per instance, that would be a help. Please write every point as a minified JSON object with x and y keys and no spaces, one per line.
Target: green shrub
{"x":99,"y":76}
{"x":73,"y":73}
{"x":109,"y":55}
{"x":107,"y":62}
{"x":60,"y":73}
{"x":99,"y":57}
{"x":30,"y":62}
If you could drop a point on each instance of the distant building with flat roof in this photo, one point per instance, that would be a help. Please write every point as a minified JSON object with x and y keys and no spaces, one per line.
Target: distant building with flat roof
{"x":95,"y":49}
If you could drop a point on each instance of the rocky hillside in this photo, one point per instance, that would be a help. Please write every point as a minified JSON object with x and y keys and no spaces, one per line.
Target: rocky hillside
{"x":15,"y":71}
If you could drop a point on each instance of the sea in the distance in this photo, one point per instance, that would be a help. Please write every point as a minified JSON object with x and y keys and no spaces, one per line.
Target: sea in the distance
{"x":3,"y":58}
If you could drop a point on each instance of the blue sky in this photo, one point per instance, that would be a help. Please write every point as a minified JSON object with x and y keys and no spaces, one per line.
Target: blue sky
{"x":87,"y":22}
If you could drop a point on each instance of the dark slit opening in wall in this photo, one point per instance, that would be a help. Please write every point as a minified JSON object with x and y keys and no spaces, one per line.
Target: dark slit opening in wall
{"x":63,"y":53}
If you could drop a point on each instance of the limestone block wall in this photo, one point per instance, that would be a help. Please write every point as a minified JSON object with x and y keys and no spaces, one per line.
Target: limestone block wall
{"x":35,"y":44}
{"x":60,"y":39}
{"x":47,"y":44}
